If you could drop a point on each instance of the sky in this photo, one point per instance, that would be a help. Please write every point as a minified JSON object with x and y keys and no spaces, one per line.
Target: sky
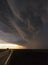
{"x":41,"y":40}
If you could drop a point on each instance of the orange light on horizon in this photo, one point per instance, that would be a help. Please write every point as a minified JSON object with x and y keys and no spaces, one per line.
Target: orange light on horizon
{"x":6,"y":45}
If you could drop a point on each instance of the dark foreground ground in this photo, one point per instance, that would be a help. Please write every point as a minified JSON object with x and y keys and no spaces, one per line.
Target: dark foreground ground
{"x":29,"y":57}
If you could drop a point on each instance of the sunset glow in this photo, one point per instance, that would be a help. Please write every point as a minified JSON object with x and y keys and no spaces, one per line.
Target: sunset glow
{"x":6,"y":45}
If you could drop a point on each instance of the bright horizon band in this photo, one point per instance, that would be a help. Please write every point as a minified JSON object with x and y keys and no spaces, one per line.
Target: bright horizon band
{"x":6,"y":45}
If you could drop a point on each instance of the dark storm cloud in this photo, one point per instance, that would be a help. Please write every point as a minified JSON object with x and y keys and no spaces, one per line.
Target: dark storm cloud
{"x":34,"y":11}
